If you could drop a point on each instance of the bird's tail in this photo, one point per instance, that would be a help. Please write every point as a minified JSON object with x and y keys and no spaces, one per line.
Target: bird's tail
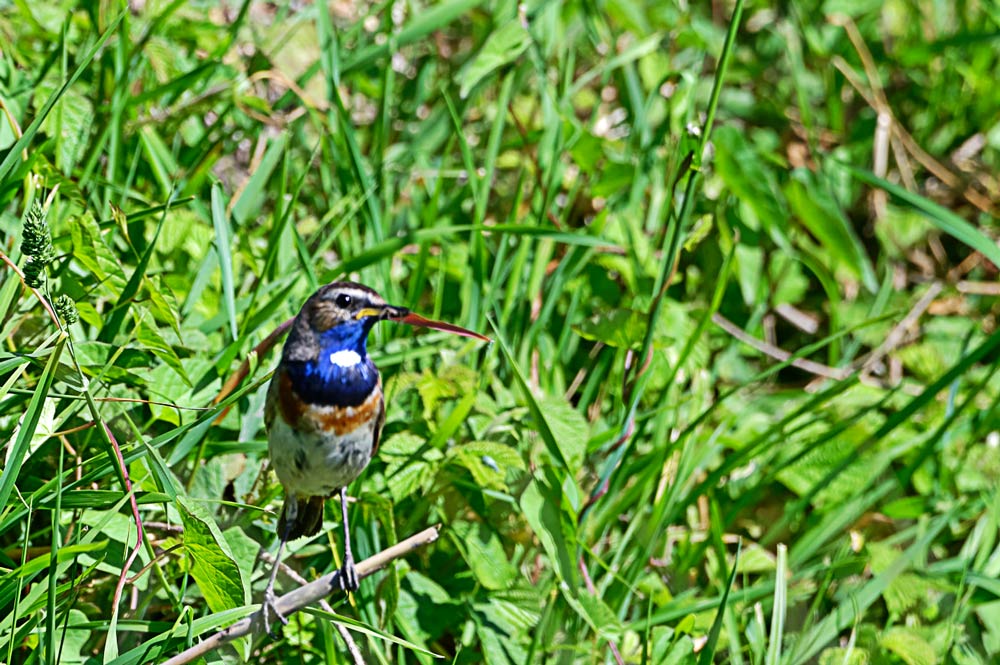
{"x":307,"y":520}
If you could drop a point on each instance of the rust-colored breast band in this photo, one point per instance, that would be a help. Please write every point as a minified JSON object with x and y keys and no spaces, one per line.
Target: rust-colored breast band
{"x":343,"y":420}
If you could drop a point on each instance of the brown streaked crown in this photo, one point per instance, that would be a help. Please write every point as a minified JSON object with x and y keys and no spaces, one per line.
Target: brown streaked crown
{"x":338,"y":303}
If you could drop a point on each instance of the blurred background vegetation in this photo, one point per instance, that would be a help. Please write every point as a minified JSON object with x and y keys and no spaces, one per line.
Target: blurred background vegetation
{"x":743,"y":402}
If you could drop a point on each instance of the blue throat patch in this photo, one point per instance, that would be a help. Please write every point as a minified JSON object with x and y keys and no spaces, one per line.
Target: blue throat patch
{"x":323,"y":382}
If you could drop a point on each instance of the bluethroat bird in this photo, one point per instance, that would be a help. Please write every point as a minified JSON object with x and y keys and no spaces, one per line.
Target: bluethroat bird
{"x":325,"y":410}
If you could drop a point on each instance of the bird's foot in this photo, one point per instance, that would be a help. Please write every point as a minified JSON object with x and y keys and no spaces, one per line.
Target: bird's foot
{"x":349,"y":575}
{"x":269,"y":611}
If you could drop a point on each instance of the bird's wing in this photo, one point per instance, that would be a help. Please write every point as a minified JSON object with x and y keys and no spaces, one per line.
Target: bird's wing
{"x":272,"y":401}
{"x":379,"y":421}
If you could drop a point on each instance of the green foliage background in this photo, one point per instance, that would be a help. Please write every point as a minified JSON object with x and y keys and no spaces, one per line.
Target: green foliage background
{"x":648,"y":206}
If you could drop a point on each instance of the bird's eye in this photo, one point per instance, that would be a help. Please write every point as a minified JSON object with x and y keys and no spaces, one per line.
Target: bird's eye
{"x":344,"y":301}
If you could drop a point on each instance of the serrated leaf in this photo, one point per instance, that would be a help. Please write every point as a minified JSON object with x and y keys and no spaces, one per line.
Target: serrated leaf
{"x":90,"y":250}
{"x":487,"y":461}
{"x":70,"y":120}
{"x":569,"y":429}
{"x":910,"y":646}
{"x":503,"y":46}
{"x":149,"y":336}
{"x":213,"y":565}
{"x":543,"y":513}
{"x":162,"y":303}
{"x":595,"y":612}
{"x":626,"y":329}
{"x":408,"y":467}
{"x":483,"y":551}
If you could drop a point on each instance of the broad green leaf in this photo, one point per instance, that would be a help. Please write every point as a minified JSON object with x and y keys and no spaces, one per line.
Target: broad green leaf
{"x":503,"y":629}
{"x":70,"y":120}
{"x":626,"y":329}
{"x":244,"y":549}
{"x":910,"y":646}
{"x":485,"y":555}
{"x":409,"y":464}
{"x":542,"y":511}
{"x":594,"y":611}
{"x":488,"y":462}
{"x":19,"y":148}
{"x":211,"y":561}
{"x":90,"y":250}
{"x":822,"y":216}
{"x":502,"y":47}
{"x":569,"y":429}
{"x":149,"y":336}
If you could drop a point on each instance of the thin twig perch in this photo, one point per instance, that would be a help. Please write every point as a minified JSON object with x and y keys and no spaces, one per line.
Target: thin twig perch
{"x":306,"y":595}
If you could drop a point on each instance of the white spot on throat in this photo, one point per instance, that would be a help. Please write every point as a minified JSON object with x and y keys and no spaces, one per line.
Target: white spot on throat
{"x":345,"y":358}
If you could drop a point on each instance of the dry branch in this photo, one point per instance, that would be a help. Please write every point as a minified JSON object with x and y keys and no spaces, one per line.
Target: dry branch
{"x":305,"y":595}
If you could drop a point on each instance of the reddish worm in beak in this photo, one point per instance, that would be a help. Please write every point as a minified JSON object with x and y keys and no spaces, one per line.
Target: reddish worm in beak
{"x":403,"y":315}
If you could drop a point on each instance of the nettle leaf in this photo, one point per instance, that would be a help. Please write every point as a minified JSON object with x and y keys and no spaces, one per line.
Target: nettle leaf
{"x":483,"y":551}
{"x":162,"y":303}
{"x":70,"y":120}
{"x":244,"y":549}
{"x":910,"y":646}
{"x":502,"y":47}
{"x":409,"y":464}
{"x":90,"y":250}
{"x":569,"y":429}
{"x":504,"y":630}
{"x":594,"y":611}
{"x":434,"y":388}
{"x":626,"y":328}
{"x":811,"y":468}
{"x":487,"y":461}
{"x":149,"y":336}
{"x":841,"y":656}
{"x":542,"y":509}
{"x":212,"y":563}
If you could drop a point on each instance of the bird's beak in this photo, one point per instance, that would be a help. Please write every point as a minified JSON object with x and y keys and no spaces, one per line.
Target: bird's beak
{"x":404,"y":315}
{"x":383,"y":312}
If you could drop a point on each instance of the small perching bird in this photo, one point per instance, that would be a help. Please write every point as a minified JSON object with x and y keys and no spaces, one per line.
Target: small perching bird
{"x":325,"y":410}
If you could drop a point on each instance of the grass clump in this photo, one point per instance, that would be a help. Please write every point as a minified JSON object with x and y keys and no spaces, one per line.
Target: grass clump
{"x":740,"y":265}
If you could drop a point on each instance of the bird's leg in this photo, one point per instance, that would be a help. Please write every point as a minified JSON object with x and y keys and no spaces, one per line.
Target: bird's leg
{"x":348,"y":574}
{"x":269,"y":606}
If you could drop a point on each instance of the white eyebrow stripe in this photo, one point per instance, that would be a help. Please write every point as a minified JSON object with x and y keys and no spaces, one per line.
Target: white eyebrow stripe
{"x":359,"y":296}
{"x":345,"y":358}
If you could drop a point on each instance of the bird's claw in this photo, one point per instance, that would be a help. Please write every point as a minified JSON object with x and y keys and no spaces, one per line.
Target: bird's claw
{"x":269,"y":610}
{"x":349,"y":575}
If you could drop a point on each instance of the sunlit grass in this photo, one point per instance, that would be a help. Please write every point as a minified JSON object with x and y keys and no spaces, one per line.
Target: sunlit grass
{"x":742,"y":402}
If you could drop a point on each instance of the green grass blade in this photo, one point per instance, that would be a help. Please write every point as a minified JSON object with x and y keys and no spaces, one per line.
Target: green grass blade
{"x":944,"y":219}
{"x":29,"y":423}
{"x":223,"y":242}
{"x":29,"y":134}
